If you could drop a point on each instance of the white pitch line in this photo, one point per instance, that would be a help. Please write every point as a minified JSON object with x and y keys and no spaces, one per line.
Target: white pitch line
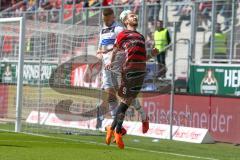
{"x":174,"y":154}
{"x":103,"y":144}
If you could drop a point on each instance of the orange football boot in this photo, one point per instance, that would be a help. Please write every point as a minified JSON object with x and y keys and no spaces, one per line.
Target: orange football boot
{"x":109,"y":134}
{"x":119,"y":141}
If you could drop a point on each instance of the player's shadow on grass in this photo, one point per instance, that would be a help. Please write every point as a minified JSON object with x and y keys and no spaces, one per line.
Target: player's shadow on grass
{"x":12,"y":145}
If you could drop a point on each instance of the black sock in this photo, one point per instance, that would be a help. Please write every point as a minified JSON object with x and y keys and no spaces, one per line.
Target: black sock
{"x":118,"y":120}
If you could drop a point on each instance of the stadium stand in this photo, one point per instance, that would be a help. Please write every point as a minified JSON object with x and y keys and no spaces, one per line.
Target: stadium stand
{"x":73,"y":13}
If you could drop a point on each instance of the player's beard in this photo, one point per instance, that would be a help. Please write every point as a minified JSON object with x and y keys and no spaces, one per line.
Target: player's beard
{"x":134,"y":23}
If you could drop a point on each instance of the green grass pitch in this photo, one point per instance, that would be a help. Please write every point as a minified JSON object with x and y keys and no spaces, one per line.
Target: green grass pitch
{"x":20,"y":146}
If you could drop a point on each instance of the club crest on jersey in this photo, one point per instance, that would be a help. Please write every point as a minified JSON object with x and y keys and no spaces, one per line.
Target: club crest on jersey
{"x":108,"y":30}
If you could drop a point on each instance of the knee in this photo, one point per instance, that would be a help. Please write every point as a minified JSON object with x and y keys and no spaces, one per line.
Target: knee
{"x":112,"y":98}
{"x":127,"y":101}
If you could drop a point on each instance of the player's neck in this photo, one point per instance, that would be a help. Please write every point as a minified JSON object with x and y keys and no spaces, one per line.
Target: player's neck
{"x":131,"y":28}
{"x":109,"y":25}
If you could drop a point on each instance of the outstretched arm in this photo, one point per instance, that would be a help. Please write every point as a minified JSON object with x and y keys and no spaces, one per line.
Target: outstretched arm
{"x":113,"y":55}
{"x":104,"y":51}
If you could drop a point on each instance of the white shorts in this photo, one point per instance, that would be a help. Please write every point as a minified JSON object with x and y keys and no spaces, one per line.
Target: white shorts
{"x":110,"y":79}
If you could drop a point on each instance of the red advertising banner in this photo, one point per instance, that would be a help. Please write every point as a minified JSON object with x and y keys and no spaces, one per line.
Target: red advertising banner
{"x":218,"y":114}
{"x":78,"y":77}
{"x":3,"y":100}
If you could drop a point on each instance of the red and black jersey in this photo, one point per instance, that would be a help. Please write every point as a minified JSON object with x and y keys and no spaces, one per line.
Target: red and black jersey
{"x":133,"y":44}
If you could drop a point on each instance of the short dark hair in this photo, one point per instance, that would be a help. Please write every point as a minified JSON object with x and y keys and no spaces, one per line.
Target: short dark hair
{"x":108,"y":12}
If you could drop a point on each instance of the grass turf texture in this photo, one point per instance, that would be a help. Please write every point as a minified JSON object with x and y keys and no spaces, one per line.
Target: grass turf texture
{"x":78,"y":147}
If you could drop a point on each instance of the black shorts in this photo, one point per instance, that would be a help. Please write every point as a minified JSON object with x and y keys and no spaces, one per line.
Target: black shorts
{"x":131,"y":83}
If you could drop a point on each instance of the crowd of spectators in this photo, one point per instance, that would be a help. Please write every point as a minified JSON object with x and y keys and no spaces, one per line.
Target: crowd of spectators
{"x":223,"y":9}
{"x":46,"y":9}
{"x":18,"y":7}
{"x":33,"y":5}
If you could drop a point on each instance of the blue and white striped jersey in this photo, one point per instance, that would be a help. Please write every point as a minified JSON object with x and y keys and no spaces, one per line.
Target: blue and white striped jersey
{"x":108,"y":35}
{"x":107,"y":38}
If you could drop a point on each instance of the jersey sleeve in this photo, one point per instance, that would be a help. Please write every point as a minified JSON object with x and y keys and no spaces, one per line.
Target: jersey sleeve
{"x":119,"y":40}
{"x":118,"y":29}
